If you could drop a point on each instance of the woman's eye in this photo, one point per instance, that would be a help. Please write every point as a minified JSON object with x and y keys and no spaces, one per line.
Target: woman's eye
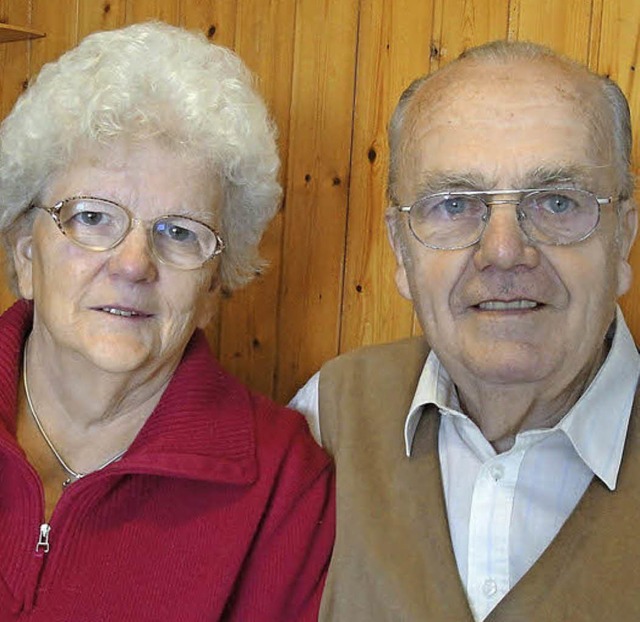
{"x":90,"y":218}
{"x":176,"y":233}
{"x":180,"y":234}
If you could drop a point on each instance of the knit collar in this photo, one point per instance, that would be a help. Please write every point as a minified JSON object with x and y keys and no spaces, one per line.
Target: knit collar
{"x":202,"y":427}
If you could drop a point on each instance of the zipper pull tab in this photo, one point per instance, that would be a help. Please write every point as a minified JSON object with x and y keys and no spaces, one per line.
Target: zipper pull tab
{"x":43,"y":539}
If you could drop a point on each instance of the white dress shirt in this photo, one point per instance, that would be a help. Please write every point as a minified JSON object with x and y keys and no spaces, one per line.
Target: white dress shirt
{"x":505,"y":509}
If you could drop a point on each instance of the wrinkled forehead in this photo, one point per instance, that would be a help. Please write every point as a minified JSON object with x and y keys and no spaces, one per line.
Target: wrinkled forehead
{"x":500,"y":120}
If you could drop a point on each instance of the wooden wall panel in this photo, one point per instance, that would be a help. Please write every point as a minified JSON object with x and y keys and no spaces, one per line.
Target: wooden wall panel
{"x":104,"y":15}
{"x":461,"y":24}
{"x":317,"y":186}
{"x":372,"y":311}
{"x":217,"y":19}
{"x":249,"y":317}
{"x":619,"y":58}
{"x":60,"y":21}
{"x":143,"y":10}
{"x":14,"y":57}
{"x":331,"y":72}
{"x":14,"y":69}
{"x":563,"y":25}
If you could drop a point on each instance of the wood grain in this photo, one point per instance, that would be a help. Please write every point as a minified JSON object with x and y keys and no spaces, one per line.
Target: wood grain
{"x":619,"y":58}
{"x":14,"y":68}
{"x":249,"y":318}
{"x":317,"y":186}
{"x":563,"y":25}
{"x":331,"y":72}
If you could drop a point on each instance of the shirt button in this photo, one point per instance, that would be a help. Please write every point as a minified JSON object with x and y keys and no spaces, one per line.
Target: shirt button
{"x":497,"y":472}
{"x":489,"y":588}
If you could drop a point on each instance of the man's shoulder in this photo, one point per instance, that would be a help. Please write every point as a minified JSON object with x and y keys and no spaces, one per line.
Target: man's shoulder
{"x":402,"y":351}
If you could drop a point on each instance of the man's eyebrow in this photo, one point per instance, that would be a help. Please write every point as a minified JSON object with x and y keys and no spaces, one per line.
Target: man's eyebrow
{"x":540,"y":177}
{"x":444,"y":181}
{"x":545,"y":176}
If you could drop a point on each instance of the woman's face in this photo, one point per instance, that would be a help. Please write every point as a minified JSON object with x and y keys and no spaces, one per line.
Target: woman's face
{"x":121,"y":309}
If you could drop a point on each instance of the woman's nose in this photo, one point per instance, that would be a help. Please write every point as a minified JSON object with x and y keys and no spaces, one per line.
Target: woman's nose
{"x":133,"y":258}
{"x":504,"y":244}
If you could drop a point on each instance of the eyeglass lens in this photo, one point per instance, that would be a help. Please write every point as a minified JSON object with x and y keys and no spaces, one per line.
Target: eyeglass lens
{"x":449,"y":221}
{"x":102,"y":225}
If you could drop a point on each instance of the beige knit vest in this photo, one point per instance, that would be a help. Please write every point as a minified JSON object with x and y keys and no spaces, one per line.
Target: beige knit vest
{"x":393,"y":559}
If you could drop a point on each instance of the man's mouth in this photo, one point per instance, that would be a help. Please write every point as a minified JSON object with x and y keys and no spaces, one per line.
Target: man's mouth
{"x":508,"y":305}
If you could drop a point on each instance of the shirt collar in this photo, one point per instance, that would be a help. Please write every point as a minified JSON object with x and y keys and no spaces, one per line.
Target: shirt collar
{"x":596,"y":425}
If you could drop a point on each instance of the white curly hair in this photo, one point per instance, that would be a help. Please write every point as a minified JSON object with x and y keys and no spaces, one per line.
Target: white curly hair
{"x":145,"y":81}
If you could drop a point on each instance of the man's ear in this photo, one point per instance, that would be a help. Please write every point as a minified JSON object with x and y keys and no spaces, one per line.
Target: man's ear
{"x":395,"y":237}
{"x":23,"y":262}
{"x":627,"y":229}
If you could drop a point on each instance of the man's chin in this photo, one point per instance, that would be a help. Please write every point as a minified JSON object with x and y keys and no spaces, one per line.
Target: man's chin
{"x":512,"y":364}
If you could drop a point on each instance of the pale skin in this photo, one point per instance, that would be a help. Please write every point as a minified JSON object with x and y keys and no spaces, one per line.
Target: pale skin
{"x":498,"y":126}
{"x":95,"y":377}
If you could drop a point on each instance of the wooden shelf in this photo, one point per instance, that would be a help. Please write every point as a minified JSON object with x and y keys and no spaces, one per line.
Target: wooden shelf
{"x":17,"y":33}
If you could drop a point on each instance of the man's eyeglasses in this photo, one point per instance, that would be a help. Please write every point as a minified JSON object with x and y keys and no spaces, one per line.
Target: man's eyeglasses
{"x":455,"y":220}
{"x":100,"y":225}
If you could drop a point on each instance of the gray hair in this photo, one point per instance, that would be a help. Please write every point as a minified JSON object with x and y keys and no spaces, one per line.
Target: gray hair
{"x":148,"y":81}
{"x":615,"y":108}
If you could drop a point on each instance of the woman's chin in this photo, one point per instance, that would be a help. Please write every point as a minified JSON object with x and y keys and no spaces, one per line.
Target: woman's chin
{"x":118,"y":358}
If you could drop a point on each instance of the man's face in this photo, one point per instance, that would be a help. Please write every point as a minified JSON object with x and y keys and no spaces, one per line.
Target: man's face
{"x":507,"y":310}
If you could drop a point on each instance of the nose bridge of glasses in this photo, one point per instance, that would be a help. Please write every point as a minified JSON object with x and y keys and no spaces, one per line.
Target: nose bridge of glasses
{"x":136,"y":235}
{"x":507,"y":223}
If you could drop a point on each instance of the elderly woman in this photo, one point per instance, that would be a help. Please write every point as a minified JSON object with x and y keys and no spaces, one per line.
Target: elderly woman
{"x":138,"y":480}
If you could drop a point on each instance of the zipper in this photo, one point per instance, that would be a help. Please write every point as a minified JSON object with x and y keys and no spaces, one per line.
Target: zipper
{"x":28,"y":601}
{"x":43,"y":539}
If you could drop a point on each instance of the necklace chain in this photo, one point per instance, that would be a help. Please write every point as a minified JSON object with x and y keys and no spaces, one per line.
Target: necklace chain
{"x":74,"y":475}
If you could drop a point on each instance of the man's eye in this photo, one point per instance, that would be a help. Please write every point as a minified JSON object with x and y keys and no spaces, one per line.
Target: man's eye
{"x":454,"y":205}
{"x":556,"y":203}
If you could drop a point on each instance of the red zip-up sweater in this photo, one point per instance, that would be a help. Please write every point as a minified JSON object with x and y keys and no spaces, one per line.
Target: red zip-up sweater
{"x":221,"y":509}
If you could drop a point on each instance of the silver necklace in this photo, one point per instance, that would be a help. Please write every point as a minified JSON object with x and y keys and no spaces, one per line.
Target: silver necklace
{"x":74,"y":476}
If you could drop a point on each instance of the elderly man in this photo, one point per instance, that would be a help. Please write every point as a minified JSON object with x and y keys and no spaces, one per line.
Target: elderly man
{"x":491,"y":470}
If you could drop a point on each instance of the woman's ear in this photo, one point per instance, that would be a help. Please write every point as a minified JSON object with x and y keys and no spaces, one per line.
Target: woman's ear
{"x":209,"y":302}
{"x":23,"y":263}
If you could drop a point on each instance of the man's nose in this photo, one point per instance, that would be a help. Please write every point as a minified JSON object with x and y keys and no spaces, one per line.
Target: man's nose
{"x":504,"y":244}
{"x":133,"y":258}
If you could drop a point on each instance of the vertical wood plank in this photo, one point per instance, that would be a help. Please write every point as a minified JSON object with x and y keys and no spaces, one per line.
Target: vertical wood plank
{"x":563,"y":25}
{"x":466,"y":23}
{"x":96,"y":15}
{"x":394,"y":48}
{"x":216,"y":18}
{"x":143,"y":10}
{"x":619,"y":58}
{"x":14,"y":56}
{"x":305,"y":54}
{"x":249,"y":317}
{"x":60,"y":22}
{"x":318,"y":175}
{"x":14,"y":69}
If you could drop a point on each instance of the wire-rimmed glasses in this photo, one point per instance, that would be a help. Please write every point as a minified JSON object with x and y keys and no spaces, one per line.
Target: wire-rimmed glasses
{"x":455,"y":220}
{"x":100,"y":225}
